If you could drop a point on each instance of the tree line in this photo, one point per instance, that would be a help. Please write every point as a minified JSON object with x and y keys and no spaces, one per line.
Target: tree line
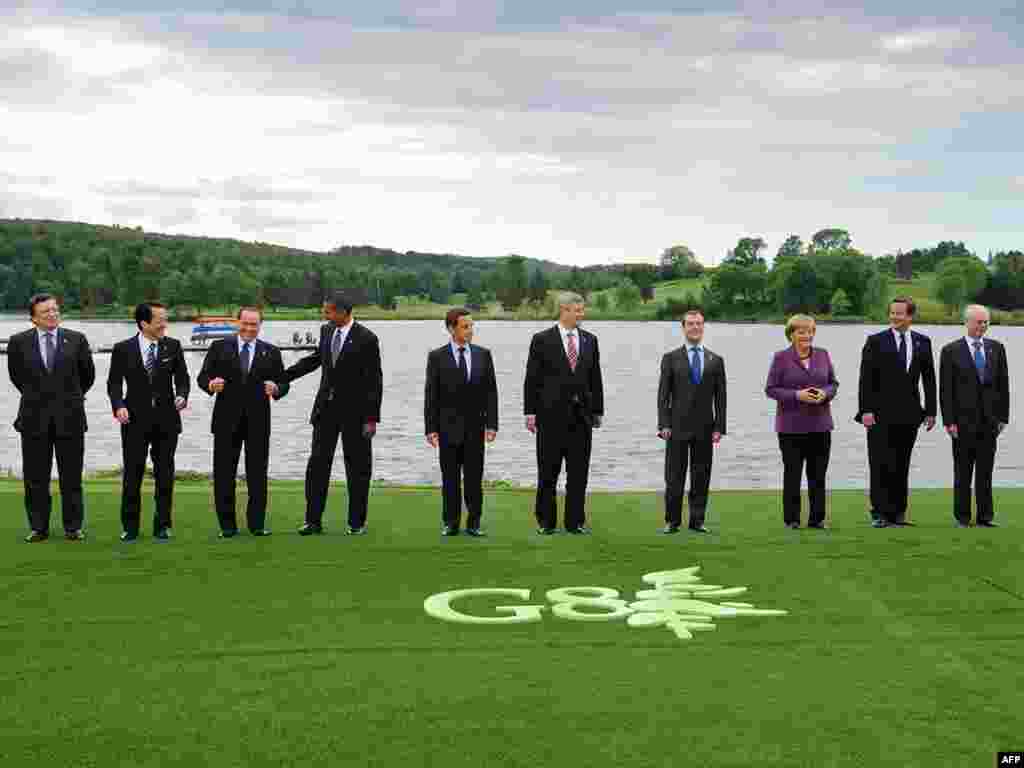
{"x":90,"y":267}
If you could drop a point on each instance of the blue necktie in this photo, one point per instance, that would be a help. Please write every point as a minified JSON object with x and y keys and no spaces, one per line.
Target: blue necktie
{"x":51,"y":352}
{"x":695,"y":366}
{"x":903,"y":349}
{"x":245,"y":361}
{"x":463,"y":368}
{"x":979,"y":361}
{"x":151,"y":360}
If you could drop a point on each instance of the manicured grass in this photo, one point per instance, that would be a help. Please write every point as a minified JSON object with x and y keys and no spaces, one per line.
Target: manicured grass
{"x":903,"y":647}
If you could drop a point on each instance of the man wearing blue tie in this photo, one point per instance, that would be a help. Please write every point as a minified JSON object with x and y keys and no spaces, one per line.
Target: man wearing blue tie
{"x":974,"y":393}
{"x":691,"y":421}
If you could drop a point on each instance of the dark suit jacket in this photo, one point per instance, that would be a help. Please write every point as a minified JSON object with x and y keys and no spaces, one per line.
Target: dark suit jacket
{"x":149,"y":403}
{"x":966,"y":402}
{"x":691,"y":410}
{"x":352,"y":390}
{"x":888,"y":390}
{"x":553,"y":391}
{"x":242,"y":398}
{"x":56,"y":398}
{"x":454,"y":408}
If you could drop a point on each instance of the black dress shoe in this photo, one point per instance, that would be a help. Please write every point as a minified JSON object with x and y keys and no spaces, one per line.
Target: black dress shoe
{"x":164,"y":534}
{"x":129,"y":536}
{"x":260,"y":532}
{"x":819,"y":526}
{"x":901,"y":523}
{"x":670,"y":528}
{"x":360,"y":531}
{"x":793,"y":526}
{"x":309,"y":529}
{"x":961,"y":524}
{"x":879,"y":523}
{"x":475,"y":533}
{"x":545,"y":531}
{"x":229,"y":534}
{"x":449,"y":530}
{"x":988,"y":524}
{"x":580,"y":531}
{"x":76,"y":535}
{"x":699,"y":529}
{"x":37,"y":536}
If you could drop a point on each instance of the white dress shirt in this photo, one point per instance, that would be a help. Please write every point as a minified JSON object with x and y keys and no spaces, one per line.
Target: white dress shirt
{"x":565,"y":339}
{"x":252,"y":351}
{"x":144,"y":345}
{"x":970,"y":347}
{"x":469,"y":355}
{"x":343,"y":332}
{"x":42,"y":344}
{"x":909,"y":342}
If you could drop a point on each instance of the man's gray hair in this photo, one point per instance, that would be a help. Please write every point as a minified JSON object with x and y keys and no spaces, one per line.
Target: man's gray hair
{"x":975,"y":308}
{"x":567,"y":298}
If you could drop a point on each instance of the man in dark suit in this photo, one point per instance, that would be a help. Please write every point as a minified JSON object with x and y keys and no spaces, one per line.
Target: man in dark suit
{"x":460,"y":408}
{"x":563,"y":402}
{"x":244,"y":373}
{"x":894,"y":366}
{"x":148,"y":387}
{"x":347,"y":405}
{"x":974,"y":390}
{"x":691,"y":421}
{"x":52,"y":368}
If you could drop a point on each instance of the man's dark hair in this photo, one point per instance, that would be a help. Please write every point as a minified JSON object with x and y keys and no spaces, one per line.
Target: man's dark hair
{"x":911,"y":306}
{"x":39,"y":298}
{"x":693,"y":311}
{"x":144,"y":312}
{"x":340,"y":300}
{"x":257,"y":310}
{"x":452,"y":318}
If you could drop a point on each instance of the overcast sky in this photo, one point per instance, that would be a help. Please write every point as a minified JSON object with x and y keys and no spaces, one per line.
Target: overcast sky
{"x":585,"y":131}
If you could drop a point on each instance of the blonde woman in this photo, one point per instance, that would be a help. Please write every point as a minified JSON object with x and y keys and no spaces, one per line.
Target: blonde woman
{"x":803,"y":383}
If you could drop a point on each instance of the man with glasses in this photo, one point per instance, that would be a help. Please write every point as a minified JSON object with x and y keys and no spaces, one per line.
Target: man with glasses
{"x":52,"y":368}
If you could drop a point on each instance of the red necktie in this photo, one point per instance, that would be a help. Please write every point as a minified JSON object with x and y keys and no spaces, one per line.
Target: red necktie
{"x":572,"y":352}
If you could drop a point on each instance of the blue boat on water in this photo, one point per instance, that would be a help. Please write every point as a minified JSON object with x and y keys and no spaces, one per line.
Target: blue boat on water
{"x":210,"y":328}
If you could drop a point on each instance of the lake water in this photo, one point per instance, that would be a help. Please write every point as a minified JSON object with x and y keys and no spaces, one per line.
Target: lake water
{"x":627,"y":453}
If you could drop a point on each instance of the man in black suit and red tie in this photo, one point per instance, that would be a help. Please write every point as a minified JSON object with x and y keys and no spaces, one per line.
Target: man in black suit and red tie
{"x":974,"y":390}
{"x":691,"y":421}
{"x":460,"y":408}
{"x":148,"y":386}
{"x":563,"y":402}
{"x":895,"y":365}
{"x":244,"y":372}
{"x":52,"y":368}
{"x":347,"y":406}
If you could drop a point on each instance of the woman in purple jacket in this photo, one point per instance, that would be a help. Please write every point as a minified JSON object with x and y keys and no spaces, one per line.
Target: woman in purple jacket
{"x":803,"y":383}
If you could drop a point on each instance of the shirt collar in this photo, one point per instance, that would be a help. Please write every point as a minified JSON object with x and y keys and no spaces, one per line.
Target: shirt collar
{"x":896,"y":334}
{"x":970,"y":342}
{"x":344,"y":328}
{"x":242,"y":342}
{"x":566,"y":331}
{"x":42,"y":333}
{"x":455,"y":347}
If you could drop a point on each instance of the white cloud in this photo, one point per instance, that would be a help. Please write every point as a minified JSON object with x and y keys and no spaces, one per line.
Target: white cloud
{"x":586,"y":142}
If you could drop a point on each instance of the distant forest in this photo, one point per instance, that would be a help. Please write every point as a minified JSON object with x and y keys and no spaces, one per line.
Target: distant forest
{"x":90,"y":266}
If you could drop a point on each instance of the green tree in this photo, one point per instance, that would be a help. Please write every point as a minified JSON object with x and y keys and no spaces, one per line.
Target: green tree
{"x":746,"y":253}
{"x":601,"y":302}
{"x":799,"y":287}
{"x":538,"y":288}
{"x":959,"y":280}
{"x":831,"y":239}
{"x":792,"y":248}
{"x":840,"y":303}
{"x":676,"y":261}
{"x":513,"y":283}
{"x":627,"y":296}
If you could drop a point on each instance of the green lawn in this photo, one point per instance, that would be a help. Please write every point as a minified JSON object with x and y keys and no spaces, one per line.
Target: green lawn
{"x":903,"y":647}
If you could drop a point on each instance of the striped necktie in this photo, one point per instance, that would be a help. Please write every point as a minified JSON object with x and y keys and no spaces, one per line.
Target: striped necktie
{"x":151,"y":360}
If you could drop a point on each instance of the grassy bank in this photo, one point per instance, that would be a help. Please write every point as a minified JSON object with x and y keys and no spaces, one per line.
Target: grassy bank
{"x":900,"y":649}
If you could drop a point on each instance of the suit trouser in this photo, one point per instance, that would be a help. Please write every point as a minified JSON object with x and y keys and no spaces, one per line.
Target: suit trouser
{"x":458,"y":460}
{"x":136,"y":442}
{"x":37,"y":452}
{"x":227,"y":446}
{"x":889,"y":449}
{"x":358,"y":469}
{"x":698,"y":453}
{"x":572,"y":444}
{"x":810,"y":449}
{"x":974,"y":453}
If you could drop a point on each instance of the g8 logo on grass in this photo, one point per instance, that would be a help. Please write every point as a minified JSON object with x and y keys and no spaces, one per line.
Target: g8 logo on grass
{"x":677,"y":600}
